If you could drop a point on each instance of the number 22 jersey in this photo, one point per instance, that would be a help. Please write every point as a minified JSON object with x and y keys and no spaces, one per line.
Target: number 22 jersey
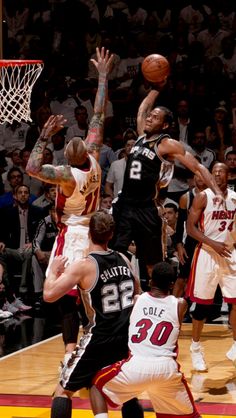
{"x":154,"y":326}
{"x":109,"y":302}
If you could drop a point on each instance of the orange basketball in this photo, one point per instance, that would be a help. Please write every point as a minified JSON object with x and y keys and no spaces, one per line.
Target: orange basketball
{"x":155,"y":68}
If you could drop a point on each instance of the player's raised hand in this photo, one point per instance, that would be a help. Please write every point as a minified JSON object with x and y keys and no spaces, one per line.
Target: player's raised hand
{"x":104,"y":61}
{"x":53,"y":125}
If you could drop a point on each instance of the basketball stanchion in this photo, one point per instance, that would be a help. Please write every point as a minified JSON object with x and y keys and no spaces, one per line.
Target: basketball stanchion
{"x":17,"y":78}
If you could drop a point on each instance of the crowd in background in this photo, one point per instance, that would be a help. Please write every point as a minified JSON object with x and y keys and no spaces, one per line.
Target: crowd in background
{"x":198,"y":39}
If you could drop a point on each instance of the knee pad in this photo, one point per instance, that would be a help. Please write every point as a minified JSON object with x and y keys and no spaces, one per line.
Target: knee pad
{"x":201,"y":312}
{"x":61,"y":407}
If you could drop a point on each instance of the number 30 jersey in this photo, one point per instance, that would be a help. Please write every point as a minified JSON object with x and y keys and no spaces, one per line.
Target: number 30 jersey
{"x":154,"y":326}
{"x":109,"y":302}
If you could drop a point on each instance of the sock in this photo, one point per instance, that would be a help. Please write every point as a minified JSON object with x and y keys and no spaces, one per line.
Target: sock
{"x":61,"y":407}
{"x":103,"y":415}
{"x":196,"y":344}
{"x":131,"y":409}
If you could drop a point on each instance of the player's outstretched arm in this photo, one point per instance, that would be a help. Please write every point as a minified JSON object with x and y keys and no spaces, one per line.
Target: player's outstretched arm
{"x":35,"y":166}
{"x":147,"y":105}
{"x":61,"y":279}
{"x":175,"y":150}
{"x":95,"y":133}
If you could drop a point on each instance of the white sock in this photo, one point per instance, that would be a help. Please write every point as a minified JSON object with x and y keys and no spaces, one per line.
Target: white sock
{"x":196,"y":344}
{"x":102,"y":415}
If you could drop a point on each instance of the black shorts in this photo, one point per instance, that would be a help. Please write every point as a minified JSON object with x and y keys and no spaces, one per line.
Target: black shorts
{"x":91,"y":355}
{"x":144,"y":227}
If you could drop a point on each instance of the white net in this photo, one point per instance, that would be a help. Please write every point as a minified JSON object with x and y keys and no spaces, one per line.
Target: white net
{"x":16,"y":83}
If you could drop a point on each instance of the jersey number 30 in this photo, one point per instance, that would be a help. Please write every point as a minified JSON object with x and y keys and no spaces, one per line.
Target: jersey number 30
{"x":159,"y":335}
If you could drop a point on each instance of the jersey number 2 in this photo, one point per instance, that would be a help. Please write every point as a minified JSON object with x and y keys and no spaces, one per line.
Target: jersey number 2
{"x":135,"y":170}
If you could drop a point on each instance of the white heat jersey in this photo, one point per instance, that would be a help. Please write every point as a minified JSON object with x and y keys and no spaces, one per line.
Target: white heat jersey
{"x":78,"y":208}
{"x":154,"y":326}
{"x":218,"y":223}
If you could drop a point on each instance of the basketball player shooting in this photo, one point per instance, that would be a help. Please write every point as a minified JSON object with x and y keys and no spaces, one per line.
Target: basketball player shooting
{"x":149,"y":168}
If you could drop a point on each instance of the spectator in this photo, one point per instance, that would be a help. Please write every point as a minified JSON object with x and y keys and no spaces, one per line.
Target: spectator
{"x":171,"y":216}
{"x":183,"y":120}
{"x":218,"y":133}
{"x":35,"y":185}
{"x":198,"y":144}
{"x":58,"y":144}
{"x":18,"y":227}
{"x":107,"y":156}
{"x":64,"y":104}
{"x":115,"y":175}
{"x":15,"y":178}
{"x":14,"y":135}
{"x":106,"y":202}
{"x":212,"y":37}
{"x":47,"y":198}
{"x":230,"y":161}
{"x":228,"y":56}
{"x":80,"y":128}
{"x":194,"y":15}
{"x":41,"y":247}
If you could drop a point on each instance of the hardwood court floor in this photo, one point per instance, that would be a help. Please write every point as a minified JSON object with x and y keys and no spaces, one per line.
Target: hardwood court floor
{"x":28,"y":377}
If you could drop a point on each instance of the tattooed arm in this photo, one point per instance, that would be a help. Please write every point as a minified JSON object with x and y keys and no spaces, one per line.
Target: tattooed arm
{"x":48,"y":172}
{"x":95,"y":133}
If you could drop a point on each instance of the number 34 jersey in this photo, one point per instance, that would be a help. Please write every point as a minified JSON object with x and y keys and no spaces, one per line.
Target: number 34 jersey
{"x":154,"y":326}
{"x":218,"y":222}
{"x":109,"y":302}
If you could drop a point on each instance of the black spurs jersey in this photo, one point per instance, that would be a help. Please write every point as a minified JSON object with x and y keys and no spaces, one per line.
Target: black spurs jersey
{"x":109,"y":302}
{"x":146,"y":172}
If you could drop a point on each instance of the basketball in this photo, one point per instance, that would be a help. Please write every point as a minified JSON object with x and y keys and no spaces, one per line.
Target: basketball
{"x":155,"y":68}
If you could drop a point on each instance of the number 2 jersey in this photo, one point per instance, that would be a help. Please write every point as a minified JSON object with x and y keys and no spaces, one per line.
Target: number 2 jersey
{"x":109,"y":302}
{"x":146,"y":172}
{"x":154,"y":326}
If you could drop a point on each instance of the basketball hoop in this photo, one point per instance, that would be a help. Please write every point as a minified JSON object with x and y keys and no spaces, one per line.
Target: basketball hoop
{"x":17,"y":79}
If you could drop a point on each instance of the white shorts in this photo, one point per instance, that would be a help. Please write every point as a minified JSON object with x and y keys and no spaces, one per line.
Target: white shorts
{"x":72,"y":242}
{"x":160,"y":378}
{"x":207,"y":271}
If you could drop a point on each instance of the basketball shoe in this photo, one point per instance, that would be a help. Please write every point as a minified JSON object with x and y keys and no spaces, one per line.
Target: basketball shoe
{"x":231,"y":354}
{"x":198,"y":361}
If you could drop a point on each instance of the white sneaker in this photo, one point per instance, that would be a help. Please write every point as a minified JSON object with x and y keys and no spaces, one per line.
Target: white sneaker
{"x":231,"y":354}
{"x":198,"y":360}
{"x":17,"y":303}
{"x":197,"y":382}
{"x":10,"y":307}
{"x":5,"y":314}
